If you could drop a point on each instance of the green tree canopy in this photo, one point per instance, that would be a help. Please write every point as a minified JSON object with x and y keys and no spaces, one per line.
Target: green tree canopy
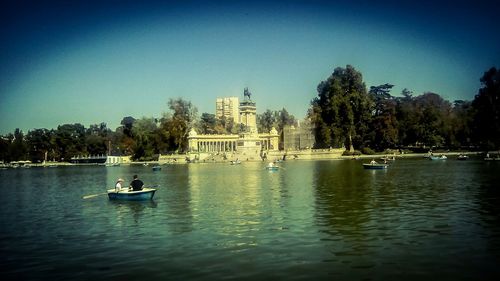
{"x":486,"y":105}
{"x":341,"y":112}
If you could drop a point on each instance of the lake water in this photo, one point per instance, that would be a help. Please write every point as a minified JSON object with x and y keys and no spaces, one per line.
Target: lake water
{"x":314,"y":220}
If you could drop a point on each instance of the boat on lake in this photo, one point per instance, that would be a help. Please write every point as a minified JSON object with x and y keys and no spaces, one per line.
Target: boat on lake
{"x":386,"y":158}
{"x":495,"y":156}
{"x":235,"y":162}
{"x":129,"y":195}
{"x":156,"y":168}
{"x":442,"y":157}
{"x":462,"y":157}
{"x":272,"y":167}
{"x":375,"y":166}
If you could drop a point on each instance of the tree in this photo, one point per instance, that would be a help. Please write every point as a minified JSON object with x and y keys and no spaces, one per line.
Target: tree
{"x":486,"y":106}
{"x":127,"y":123}
{"x":97,"y":139}
{"x":431,"y":113}
{"x":461,"y":123}
{"x":207,"y":123}
{"x":266,"y":121}
{"x":143,"y":133}
{"x":18,"y":148}
{"x":69,"y":141}
{"x":341,"y":112}
{"x":177,"y":124}
{"x":405,"y":114}
{"x":38,"y":142}
{"x":384,"y":125}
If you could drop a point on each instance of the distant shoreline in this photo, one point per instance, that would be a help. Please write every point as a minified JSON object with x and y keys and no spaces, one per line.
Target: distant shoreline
{"x":333,"y":156}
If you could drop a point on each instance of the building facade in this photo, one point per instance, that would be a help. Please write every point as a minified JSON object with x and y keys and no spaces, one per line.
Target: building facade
{"x":246,"y":145}
{"x":297,"y":138}
{"x":227,"y":107}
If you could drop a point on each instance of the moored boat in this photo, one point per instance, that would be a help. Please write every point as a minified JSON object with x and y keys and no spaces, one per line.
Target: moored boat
{"x":140,"y":195}
{"x":462,"y":157}
{"x":375,"y":166}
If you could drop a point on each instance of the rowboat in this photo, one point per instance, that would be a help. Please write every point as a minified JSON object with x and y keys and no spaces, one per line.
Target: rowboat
{"x":156,"y":168}
{"x":388,"y":158}
{"x":375,"y":166}
{"x":140,"y":195}
{"x":442,"y":157}
{"x":272,"y":168}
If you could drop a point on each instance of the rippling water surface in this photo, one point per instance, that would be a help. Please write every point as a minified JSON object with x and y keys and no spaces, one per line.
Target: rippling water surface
{"x":316,"y":220}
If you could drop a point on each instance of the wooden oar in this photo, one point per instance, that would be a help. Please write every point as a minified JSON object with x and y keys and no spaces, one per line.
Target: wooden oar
{"x":93,"y":195}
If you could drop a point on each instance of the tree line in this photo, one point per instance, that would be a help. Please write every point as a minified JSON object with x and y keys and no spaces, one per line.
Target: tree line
{"x":346,"y":113}
{"x":142,"y":138}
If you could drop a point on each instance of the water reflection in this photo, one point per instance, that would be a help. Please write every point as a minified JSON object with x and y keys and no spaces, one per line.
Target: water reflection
{"x":179,"y":198}
{"x":342,"y":198}
{"x":227,"y":202}
{"x":135,"y":209}
{"x":309,"y":221}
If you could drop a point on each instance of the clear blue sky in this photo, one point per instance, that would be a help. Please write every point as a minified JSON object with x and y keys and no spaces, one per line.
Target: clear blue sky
{"x":91,"y":62}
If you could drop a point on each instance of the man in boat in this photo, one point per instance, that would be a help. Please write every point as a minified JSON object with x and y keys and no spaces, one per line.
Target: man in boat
{"x":136,"y":184}
{"x":373,"y":162}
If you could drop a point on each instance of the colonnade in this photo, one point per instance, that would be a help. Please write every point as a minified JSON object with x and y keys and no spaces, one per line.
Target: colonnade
{"x":216,"y":146}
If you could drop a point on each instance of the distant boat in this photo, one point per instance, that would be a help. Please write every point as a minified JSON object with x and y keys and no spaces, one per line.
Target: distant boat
{"x":112,"y":164}
{"x":442,"y":157}
{"x":492,"y":156}
{"x":141,"y":195}
{"x":272,"y":167}
{"x":388,"y":158}
{"x":375,"y":166}
{"x":156,"y":168}
{"x":462,"y":157}
{"x":235,"y":162}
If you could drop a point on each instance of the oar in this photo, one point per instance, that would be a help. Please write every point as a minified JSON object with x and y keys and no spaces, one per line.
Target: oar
{"x":93,"y":195}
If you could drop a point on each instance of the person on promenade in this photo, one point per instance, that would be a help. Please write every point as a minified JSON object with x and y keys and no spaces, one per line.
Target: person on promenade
{"x":118,"y":185}
{"x":136,"y":184}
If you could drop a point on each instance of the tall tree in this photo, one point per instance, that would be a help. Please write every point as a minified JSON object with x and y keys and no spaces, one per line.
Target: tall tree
{"x":341,"y":112}
{"x":127,"y":124}
{"x":38,"y":142}
{"x":207,"y":123}
{"x":486,"y":105}
{"x":18,"y":149}
{"x":266,"y":121}
{"x":143,"y":132}
{"x":431,"y":112}
{"x":70,"y":141}
{"x":384,"y":125}
{"x":461,"y":124}
{"x":178,"y":123}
